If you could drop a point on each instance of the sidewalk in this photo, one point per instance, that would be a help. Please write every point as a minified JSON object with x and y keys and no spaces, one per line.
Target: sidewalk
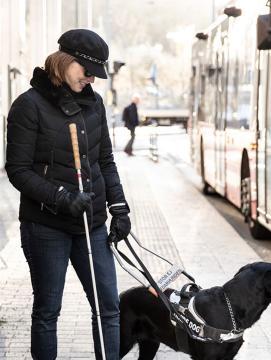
{"x":170,"y":217}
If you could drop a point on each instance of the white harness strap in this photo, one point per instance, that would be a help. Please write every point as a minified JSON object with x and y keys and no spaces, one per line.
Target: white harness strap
{"x":192,"y":309}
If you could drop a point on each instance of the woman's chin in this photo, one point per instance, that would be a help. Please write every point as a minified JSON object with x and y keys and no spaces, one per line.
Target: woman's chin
{"x":77,"y":89}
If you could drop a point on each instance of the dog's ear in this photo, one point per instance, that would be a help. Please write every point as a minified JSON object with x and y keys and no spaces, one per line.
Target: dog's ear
{"x":245,"y":267}
{"x":267,"y":283}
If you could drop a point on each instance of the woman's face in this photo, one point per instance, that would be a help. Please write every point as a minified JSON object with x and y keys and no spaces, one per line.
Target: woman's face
{"x":75,"y":77}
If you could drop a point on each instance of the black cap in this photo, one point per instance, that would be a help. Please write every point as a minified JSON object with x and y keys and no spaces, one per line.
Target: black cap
{"x":90,"y":50}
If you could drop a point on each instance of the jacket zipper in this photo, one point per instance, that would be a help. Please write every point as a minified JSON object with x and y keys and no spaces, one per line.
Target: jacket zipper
{"x":86,"y":136}
{"x":44,"y":174}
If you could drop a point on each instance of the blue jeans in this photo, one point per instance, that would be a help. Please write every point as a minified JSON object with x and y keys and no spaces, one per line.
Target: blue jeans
{"x":48,"y":252}
{"x":129,"y":146}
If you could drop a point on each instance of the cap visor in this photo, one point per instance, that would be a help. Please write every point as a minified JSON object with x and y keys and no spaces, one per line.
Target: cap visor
{"x":97,"y":70}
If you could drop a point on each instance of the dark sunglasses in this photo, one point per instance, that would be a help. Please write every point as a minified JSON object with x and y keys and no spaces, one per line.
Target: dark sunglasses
{"x":87,"y":73}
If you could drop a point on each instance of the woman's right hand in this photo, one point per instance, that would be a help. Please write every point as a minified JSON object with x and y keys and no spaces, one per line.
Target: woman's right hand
{"x":75,"y":203}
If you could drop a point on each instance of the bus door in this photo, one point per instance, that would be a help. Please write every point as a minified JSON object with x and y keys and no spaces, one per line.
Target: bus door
{"x":220,"y":118}
{"x":268,"y":148}
{"x":264,"y":136}
{"x":210,"y":130}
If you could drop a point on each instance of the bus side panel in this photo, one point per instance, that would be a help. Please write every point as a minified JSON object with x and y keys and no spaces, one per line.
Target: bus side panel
{"x":253,"y":183}
{"x":233,"y":166}
{"x":208,"y":137}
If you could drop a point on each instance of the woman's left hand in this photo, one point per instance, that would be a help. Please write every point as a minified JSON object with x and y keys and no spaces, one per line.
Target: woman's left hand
{"x":120,"y":227}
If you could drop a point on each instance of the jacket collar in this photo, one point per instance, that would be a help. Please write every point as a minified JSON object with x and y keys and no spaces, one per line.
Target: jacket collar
{"x":62,"y":96}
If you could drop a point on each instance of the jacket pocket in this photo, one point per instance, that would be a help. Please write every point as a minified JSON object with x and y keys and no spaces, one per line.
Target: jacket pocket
{"x":42,"y":205}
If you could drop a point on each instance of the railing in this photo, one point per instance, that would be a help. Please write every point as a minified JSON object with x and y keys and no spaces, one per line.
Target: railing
{"x":152,"y":141}
{"x":154,"y":147}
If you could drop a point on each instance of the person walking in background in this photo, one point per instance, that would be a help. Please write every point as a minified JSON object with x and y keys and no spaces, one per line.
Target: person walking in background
{"x":40,"y":164}
{"x":130,"y":118}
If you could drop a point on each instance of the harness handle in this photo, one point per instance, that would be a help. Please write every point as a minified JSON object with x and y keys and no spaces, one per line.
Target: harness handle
{"x":150,"y":279}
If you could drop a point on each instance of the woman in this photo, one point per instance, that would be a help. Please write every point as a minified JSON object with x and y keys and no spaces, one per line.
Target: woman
{"x":40,"y":165}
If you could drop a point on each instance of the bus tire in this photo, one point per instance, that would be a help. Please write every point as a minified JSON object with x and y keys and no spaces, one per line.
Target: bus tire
{"x":258,"y":231}
{"x":206,"y":188}
{"x":245,"y":197}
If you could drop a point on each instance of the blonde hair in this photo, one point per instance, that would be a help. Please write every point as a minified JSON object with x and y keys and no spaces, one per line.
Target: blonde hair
{"x":56,"y":65}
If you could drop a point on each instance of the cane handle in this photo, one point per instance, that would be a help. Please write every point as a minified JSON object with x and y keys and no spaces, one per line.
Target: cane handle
{"x":75,"y":146}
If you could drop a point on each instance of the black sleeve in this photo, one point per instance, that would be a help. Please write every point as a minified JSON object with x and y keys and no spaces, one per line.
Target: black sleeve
{"x":114,"y":191}
{"x":22,"y":131}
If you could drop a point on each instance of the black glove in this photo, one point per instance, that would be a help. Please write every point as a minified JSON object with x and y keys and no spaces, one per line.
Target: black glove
{"x":120,"y":224}
{"x":73,"y":202}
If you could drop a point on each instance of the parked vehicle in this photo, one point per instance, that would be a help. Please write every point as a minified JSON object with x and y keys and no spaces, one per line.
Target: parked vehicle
{"x":164,"y":116}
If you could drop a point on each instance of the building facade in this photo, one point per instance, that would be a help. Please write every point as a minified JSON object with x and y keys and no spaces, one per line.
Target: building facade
{"x":29,"y":30}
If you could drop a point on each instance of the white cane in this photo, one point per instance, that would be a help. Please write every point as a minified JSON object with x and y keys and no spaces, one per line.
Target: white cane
{"x":77,"y":161}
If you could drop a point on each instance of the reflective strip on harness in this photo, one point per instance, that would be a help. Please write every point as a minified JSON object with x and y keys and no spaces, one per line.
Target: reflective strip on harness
{"x":193,"y":312}
{"x":197,"y":328}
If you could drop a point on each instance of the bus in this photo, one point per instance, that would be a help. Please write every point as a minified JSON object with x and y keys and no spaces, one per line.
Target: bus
{"x":230,"y":110}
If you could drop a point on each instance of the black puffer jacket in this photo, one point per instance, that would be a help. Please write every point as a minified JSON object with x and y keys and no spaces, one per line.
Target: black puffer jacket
{"x":40,"y":157}
{"x":130,"y":116}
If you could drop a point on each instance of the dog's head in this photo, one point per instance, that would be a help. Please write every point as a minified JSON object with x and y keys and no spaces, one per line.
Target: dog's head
{"x":250,"y":292}
{"x":257,"y":274}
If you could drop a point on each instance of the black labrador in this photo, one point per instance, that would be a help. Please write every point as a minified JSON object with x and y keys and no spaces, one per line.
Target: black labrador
{"x":145,"y":320}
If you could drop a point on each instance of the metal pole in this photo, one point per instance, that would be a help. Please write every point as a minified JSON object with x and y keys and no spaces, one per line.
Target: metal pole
{"x":9,"y":88}
{"x":113,"y":131}
{"x":213,"y":10}
{"x":73,"y":131}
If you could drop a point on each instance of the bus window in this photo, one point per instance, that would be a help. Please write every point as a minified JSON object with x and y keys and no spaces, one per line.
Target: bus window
{"x":268,"y":144}
{"x":210,"y":101}
{"x":245,"y":83}
{"x":240,"y":81}
{"x":201,"y":107}
{"x":232,"y":117}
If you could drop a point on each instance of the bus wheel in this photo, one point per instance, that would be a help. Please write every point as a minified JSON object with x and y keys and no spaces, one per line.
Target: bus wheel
{"x":245,"y":198}
{"x":257,"y":230}
{"x":206,"y":188}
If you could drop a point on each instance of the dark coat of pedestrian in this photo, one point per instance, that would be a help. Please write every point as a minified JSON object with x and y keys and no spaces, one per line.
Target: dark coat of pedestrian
{"x":131,"y":121}
{"x":40,"y":164}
